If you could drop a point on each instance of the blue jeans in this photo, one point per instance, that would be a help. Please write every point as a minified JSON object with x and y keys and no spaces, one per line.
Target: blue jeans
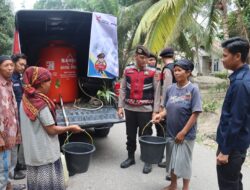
{"x":229,"y":175}
{"x":4,"y":168}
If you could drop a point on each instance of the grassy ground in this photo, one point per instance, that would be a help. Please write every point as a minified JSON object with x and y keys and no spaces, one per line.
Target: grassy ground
{"x":209,"y":119}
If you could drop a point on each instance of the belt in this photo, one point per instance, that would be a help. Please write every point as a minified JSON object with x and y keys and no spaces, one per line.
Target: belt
{"x":139,"y":102}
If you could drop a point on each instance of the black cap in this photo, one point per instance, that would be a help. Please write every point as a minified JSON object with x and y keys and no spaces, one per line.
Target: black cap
{"x":185,"y":64}
{"x":101,"y":55}
{"x":141,"y":50}
{"x":167,"y":52}
{"x":151,"y":55}
{"x":4,"y":58}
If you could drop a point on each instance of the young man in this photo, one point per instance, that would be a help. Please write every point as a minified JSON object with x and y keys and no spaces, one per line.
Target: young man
{"x":10,"y":134}
{"x":140,"y":97}
{"x":20,"y":61}
{"x":233,"y":134}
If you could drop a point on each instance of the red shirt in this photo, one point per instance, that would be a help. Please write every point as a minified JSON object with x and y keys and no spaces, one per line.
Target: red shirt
{"x":10,"y":133}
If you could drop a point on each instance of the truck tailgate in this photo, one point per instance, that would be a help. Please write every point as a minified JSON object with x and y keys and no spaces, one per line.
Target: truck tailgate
{"x":105,"y":115}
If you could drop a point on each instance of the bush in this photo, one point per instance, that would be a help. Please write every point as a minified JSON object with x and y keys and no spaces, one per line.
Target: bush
{"x":210,"y":106}
{"x":221,"y":86}
{"x":222,"y":75}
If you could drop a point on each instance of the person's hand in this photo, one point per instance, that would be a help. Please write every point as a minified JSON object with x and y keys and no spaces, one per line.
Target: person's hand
{"x":156,"y":118}
{"x":180,"y":137}
{"x":153,"y":115}
{"x":222,"y":159}
{"x":120,"y":113}
{"x":76,"y":129}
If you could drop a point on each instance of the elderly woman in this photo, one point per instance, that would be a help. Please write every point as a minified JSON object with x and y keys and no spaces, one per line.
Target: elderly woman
{"x":40,"y":133}
{"x":182,"y":107}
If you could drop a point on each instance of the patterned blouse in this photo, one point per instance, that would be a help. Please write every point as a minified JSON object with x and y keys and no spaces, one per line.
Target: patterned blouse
{"x":10,"y":133}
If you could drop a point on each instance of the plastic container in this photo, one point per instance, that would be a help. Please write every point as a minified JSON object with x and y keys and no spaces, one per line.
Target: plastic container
{"x":78,"y":156}
{"x":152,"y":148}
{"x":60,"y":59}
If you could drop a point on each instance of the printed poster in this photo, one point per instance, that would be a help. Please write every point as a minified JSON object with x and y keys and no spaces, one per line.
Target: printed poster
{"x":103,"y":50}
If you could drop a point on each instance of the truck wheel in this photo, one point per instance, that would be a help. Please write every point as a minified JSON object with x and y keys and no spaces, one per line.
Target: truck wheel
{"x":102,"y":132}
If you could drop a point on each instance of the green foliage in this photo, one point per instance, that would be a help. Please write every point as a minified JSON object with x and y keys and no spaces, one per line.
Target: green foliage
{"x":106,"y":95}
{"x":221,"y":87}
{"x":6,"y":27}
{"x":222,"y":75}
{"x":48,"y":4}
{"x":210,"y":105}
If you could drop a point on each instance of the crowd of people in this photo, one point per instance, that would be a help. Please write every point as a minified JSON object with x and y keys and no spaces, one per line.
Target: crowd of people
{"x":179,"y":107}
{"x":149,"y":94}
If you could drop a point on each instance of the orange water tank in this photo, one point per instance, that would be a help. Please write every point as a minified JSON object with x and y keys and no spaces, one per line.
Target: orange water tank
{"x":60,"y":59}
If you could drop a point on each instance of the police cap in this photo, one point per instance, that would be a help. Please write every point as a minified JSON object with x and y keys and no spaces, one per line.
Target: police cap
{"x":141,"y":50}
{"x":185,"y":64}
{"x":167,"y":52}
{"x":151,"y":55}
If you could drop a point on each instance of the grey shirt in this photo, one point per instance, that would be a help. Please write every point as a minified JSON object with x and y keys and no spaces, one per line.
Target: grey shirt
{"x":168,"y":80}
{"x":40,"y":148}
{"x":180,"y":103}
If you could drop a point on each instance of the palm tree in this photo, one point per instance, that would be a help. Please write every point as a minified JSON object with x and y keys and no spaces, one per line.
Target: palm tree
{"x":161,"y":23}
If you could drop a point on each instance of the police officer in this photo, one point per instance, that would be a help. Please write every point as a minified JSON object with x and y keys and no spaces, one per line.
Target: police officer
{"x":167,"y":78}
{"x":140,"y":98}
{"x":152,"y":62}
{"x":167,"y":56}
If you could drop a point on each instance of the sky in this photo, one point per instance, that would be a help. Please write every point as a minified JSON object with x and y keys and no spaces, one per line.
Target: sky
{"x":27,"y":3}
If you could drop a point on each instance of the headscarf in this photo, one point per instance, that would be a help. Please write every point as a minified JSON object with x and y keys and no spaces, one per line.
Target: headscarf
{"x":34,"y":101}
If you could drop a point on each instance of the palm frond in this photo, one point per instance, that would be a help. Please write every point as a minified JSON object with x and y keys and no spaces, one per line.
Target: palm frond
{"x":214,"y":16}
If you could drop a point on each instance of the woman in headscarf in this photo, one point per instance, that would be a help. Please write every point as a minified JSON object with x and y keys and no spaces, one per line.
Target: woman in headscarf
{"x":40,"y":132}
{"x":182,"y":107}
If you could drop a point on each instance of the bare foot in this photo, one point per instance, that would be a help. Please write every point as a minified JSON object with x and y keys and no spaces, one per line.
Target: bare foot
{"x":170,"y":187}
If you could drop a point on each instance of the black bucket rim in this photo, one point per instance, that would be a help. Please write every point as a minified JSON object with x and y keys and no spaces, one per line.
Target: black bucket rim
{"x":78,"y":153}
{"x":155,"y":143}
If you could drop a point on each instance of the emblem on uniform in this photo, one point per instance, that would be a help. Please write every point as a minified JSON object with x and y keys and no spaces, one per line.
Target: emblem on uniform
{"x":146,"y":73}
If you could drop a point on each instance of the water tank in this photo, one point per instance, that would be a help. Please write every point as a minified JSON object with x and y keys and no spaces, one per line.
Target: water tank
{"x":60,"y":59}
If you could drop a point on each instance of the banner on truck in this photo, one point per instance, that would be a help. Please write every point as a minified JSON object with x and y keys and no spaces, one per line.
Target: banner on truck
{"x":103,"y":49}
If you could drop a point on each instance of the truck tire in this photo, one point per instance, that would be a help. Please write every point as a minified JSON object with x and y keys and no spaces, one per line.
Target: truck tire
{"x":102,"y":132}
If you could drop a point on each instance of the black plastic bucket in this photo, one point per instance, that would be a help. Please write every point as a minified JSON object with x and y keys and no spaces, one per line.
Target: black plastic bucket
{"x":78,"y":155}
{"x":152,"y":149}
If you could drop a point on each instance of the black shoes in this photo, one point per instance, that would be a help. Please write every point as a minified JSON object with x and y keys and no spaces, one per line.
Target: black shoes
{"x":147,"y":168}
{"x":19,"y":175}
{"x":127,"y":163}
{"x":162,"y":164}
{"x":168,"y":177}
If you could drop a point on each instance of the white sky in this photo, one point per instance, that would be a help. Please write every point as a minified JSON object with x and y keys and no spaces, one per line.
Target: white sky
{"x":27,"y":3}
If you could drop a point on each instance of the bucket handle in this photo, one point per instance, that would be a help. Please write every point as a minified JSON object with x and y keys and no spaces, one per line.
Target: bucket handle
{"x":152,"y":122}
{"x":84,"y":131}
{"x":67,"y":124}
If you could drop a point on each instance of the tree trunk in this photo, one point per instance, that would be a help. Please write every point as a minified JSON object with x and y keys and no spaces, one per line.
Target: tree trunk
{"x":224,"y":19}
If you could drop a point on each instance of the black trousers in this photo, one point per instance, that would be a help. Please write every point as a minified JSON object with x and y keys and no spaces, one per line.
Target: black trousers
{"x":135,"y":120}
{"x":229,"y":175}
{"x":160,"y":132}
